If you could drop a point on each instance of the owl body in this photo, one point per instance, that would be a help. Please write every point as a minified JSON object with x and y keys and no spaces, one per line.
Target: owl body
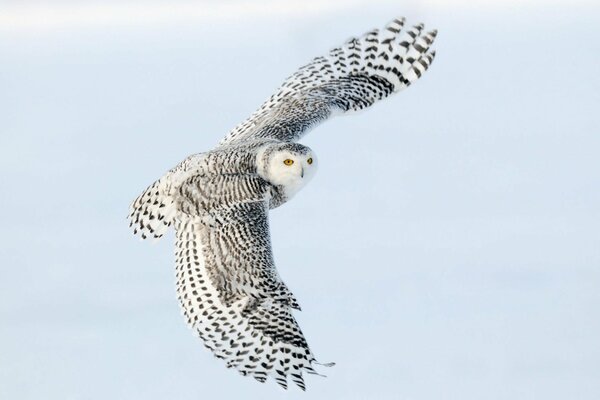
{"x":218,"y":201}
{"x":206,"y":184}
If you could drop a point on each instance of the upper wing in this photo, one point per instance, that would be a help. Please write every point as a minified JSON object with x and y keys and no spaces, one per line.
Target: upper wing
{"x":153,"y":212}
{"x":227,"y":284}
{"x":349,"y":78}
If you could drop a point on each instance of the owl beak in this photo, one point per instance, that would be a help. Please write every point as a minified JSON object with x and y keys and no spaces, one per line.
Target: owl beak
{"x":302,"y":173}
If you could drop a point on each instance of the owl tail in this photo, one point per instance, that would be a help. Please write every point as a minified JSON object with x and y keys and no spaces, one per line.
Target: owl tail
{"x":152,"y":213}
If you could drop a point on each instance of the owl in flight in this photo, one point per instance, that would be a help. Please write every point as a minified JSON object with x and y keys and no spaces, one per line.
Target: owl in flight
{"x":219,"y":202}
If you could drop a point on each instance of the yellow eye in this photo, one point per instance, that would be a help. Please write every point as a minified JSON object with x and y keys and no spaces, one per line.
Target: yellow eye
{"x":288,"y":162}
{"x":309,"y":161}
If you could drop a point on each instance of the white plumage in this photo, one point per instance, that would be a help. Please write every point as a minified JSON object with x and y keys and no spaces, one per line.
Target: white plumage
{"x":218,"y":202}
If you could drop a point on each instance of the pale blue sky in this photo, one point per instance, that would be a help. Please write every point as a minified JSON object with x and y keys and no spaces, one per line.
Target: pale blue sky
{"x":448,"y":247}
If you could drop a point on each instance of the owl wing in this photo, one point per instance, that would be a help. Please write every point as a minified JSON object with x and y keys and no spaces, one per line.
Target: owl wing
{"x":350,"y":78}
{"x":152,"y":213}
{"x":227,"y":284}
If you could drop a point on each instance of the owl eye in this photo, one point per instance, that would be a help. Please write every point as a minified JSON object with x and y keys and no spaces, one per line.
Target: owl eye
{"x":309,"y":161}
{"x":288,"y":162}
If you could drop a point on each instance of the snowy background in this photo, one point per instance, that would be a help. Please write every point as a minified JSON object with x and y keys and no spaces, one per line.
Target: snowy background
{"x":448,"y":248}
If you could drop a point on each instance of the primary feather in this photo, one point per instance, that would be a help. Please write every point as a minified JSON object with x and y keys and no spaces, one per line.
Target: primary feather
{"x":350,"y":78}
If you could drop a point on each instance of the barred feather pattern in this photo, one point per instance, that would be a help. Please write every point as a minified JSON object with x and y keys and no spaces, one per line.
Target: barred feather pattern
{"x":350,"y":78}
{"x":243,"y":316}
{"x":151,"y":214}
{"x":238,"y":245}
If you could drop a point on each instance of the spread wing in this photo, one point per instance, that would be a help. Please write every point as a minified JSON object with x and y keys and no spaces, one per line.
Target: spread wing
{"x":350,"y":78}
{"x":229,"y":289}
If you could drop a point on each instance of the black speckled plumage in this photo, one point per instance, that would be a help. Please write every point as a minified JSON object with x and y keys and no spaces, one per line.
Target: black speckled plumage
{"x":219,"y":201}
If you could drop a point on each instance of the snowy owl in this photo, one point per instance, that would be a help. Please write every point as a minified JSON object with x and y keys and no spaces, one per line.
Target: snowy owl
{"x":219,"y":201}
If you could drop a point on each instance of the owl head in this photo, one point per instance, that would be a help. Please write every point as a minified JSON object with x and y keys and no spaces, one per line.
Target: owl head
{"x":290,"y":165}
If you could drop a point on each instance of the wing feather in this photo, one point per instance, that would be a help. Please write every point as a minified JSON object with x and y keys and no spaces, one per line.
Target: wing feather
{"x":227,"y":284}
{"x":152,"y":212}
{"x":254,"y":330}
{"x":349,"y":78}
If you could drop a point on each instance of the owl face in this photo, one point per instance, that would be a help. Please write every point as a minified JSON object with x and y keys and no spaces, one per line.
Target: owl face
{"x":290,"y":165}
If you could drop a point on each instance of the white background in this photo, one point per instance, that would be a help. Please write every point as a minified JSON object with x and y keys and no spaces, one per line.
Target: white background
{"x":448,"y":247}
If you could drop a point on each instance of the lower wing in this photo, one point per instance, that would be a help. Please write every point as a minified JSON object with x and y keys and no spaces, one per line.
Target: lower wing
{"x":257,"y":335}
